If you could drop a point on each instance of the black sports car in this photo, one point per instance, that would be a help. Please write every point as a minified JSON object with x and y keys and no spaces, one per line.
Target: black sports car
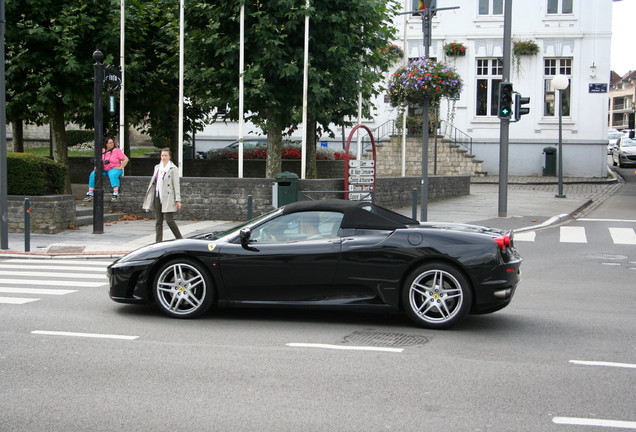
{"x":328,"y":254}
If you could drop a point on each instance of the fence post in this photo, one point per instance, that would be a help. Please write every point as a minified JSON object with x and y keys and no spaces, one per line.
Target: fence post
{"x":414,"y":203}
{"x":249,"y":207}
{"x":27,"y":225}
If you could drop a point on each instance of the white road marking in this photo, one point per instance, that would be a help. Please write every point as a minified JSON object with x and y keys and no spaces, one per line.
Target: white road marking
{"x":85,"y":335}
{"x":8,"y":265}
{"x":17,"y":300}
{"x":60,"y":261}
{"x":54,"y":274}
{"x":342,"y":347}
{"x":42,"y":291}
{"x":600,"y":363}
{"x":528,"y":236}
{"x":607,"y":220}
{"x":52,"y":283}
{"x":623,"y":236}
{"x":573,"y":235}
{"x":595,"y":422}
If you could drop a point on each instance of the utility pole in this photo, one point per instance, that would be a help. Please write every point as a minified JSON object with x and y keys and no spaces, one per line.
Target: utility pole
{"x":504,"y":128}
{"x":98,"y":125}
{"x":4,"y":205}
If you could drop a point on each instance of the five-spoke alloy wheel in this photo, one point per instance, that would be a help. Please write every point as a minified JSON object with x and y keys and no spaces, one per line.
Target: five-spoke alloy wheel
{"x":183,"y":288}
{"x":436,"y":295}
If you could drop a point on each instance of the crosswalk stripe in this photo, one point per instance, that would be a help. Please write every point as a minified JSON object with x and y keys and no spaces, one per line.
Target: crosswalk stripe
{"x":53,"y":283}
{"x":572,"y":235}
{"x":528,"y":236}
{"x":54,"y":274}
{"x":17,"y":300}
{"x":59,"y":262}
{"x":8,"y":265}
{"x":623,"y":236}
{"x":39,"y":291}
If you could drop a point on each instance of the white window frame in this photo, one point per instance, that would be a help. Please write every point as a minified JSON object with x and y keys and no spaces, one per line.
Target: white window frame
{"x":490,"y":4}
{"x":553,"y":66}
{"x":559,"y":6}
{"x":489,"y":72}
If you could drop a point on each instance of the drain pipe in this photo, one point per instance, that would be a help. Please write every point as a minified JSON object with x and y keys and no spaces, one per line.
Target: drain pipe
{"x":27,"y":225}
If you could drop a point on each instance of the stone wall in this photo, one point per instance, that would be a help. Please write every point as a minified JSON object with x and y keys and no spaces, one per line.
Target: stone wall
{"x":50,"y":214}
{"x":211,"y":198}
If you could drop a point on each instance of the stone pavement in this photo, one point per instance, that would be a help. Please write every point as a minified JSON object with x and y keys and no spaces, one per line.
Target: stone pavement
{"x":531,"y":205}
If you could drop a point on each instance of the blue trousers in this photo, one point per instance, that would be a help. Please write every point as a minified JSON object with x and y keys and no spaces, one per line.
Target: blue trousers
{"x":113,"y":176}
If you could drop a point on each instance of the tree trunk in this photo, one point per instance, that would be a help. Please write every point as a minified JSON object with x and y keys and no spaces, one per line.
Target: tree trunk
{"x":310,"y":151}
{"x":17,"y":129}
{"x":274,"y":164}
{"x":60,"y":143}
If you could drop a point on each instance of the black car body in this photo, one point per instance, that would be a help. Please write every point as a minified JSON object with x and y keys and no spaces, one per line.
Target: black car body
{"x":358,"y":255}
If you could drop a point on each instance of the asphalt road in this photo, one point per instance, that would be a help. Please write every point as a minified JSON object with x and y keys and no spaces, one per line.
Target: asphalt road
{"x":559,"y":358}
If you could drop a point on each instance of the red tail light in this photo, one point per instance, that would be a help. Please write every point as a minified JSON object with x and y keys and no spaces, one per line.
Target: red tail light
{"x":502,"y":242}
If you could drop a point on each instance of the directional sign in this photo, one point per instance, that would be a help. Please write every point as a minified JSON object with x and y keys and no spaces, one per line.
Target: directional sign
{"x":355,"y":163}
{"x":364,"y":196}
{"x":362,"y":171}
{"x":361,"y":180}
{"x":360,"y":188}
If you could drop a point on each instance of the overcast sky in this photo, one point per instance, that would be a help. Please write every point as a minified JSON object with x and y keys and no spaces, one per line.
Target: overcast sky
{"x":623,"y":56}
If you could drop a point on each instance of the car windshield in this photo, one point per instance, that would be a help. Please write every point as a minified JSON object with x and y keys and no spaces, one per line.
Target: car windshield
{"x":614,"y":135}
{"x":628,"y":142}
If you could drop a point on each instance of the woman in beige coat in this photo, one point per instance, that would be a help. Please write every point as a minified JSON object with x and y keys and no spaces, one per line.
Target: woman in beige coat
{"x":164,"y":195}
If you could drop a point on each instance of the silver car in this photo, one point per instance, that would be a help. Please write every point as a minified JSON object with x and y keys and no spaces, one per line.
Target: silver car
{"x":624,"y":152}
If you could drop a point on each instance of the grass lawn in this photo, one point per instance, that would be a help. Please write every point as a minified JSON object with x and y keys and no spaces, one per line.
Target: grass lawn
{"x":136,"y":152}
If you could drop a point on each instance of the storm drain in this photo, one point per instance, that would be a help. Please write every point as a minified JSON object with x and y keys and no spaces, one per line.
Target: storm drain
{"x":384,"y":339}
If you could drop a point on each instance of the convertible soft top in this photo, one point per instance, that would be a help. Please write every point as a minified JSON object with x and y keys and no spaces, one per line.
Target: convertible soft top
{"x":356,"y":214}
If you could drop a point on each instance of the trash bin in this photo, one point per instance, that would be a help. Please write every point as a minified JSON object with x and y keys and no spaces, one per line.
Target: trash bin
{"x":285,"y":189}
{"x":549,"y":161}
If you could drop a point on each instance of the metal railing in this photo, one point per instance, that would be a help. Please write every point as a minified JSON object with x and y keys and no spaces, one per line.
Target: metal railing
{"x":456,"y":136}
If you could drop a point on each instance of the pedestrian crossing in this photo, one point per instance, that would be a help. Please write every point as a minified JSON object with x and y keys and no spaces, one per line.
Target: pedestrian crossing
{"x":24,"y":281}
{"x":579,"y":234}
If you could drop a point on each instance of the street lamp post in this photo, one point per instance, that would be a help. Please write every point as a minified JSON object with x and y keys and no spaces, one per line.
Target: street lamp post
{"x":98,"y":124}
{"x":560,"y":83}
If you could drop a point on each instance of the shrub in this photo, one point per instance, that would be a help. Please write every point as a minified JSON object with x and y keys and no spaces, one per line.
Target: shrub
{"x":76,"y":137}
{"x":28,"y":174}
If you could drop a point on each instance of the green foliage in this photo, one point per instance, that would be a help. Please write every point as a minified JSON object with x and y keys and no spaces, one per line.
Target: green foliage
{"x":76,"y":137}
{"x":28,"y":174}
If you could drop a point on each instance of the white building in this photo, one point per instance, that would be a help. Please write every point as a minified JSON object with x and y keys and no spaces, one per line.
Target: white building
{"x":573,"y":38}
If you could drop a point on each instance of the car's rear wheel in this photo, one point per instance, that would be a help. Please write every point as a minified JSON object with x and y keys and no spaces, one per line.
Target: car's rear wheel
{"x":183,"y":288}
{"x":437,"y":296}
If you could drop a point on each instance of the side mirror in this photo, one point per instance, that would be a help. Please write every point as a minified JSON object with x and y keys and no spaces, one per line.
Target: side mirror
{"x":245,"y":235}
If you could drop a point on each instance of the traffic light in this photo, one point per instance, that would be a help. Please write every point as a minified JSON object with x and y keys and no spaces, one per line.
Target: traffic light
{"x":519,"y":102}
{"x":504,"y":111}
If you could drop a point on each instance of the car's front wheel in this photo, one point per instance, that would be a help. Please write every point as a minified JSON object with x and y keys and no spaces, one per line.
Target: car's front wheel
{"x":437,"y":296}
{"x":183,"y":288}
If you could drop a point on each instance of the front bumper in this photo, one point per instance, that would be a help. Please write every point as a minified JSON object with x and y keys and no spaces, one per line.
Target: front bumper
{"x":129,"y":282}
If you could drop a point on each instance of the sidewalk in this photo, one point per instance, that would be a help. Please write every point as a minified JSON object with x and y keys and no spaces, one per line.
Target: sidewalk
{"x":531,"y":204}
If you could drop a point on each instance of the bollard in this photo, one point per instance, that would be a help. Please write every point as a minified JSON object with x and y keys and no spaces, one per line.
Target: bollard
{"x":414,"y":204}
{"x":27,"y":225}
{"x":249,"y":207}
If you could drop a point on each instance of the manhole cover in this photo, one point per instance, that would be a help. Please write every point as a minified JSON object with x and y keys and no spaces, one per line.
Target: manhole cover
{"x":385,"y":339}
{"x":66,"y":249}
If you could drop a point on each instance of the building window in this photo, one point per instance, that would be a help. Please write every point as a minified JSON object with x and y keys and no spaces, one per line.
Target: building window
{"x":559,"y":6}
{"x":551,"y":68}
{"x":489,"y":73}
{"x":490,"y":7}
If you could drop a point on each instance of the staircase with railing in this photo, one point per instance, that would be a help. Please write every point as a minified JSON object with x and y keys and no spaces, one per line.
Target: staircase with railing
{"x":450,"y":150}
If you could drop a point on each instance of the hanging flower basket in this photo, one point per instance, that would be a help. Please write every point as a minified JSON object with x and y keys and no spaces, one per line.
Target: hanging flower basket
{"x":421,"y":79}
{"x":455,"y":49}
{"x":525,"y":48}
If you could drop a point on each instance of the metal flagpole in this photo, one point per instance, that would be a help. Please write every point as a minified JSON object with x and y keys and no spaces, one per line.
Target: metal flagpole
{"x":4,"y":205}
{"x":122,"y":38}
{"x":241,"y":108}
{"x":303,"y":163}
{"x":181,"y":49}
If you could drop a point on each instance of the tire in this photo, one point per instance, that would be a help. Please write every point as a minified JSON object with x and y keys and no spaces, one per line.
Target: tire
{"x":182,"y":288}
{"x":436,"y":296}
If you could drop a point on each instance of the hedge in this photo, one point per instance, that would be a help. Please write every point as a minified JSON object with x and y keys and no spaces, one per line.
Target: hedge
{"x":28,"y":174}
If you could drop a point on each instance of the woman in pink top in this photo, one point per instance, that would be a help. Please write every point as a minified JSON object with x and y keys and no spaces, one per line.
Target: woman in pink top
{"x":114,"y":161}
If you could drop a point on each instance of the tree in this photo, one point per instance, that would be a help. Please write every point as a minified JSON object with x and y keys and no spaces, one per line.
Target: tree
{"x":345,"y":57}
{"x":49,"y":62}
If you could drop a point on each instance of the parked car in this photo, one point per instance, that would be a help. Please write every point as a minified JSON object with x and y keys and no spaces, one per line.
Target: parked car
{"x":248,"y":144}
{"x":612,"y":135}
{"x":624,"y":152}
{"x":356,"y":256}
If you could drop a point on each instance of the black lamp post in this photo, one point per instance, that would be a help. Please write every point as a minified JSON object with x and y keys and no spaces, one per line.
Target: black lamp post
{"x":98,"y":124}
